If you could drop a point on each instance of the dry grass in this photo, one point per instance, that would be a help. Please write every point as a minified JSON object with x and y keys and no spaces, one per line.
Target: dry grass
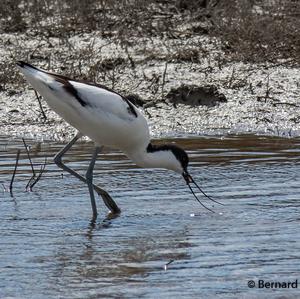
{"x":112,"y":18}
{"x":249,"y":30}
{"x":259,"y":31}
{"x":253,"y":30}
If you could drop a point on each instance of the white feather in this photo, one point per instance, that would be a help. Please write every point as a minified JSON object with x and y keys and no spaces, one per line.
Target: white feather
{"x":105,"y":119}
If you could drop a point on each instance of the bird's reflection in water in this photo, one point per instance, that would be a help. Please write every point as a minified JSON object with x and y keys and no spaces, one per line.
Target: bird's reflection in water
{"x":97,"y":258}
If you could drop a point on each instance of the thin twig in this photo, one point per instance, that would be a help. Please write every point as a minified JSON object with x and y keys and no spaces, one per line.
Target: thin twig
{"x":167,"y":264}
{"x":268,"y":88}
{"x":164,"y":80}
{"x":14,"y":173}
{"x":4,"y":188}
{"x":32,"y":168}
{"x":40,"y":174}
{"x":40,"y":104}
{"x":113,"y":77}
{"x":231,"y":79}
{"x":129,"y":57}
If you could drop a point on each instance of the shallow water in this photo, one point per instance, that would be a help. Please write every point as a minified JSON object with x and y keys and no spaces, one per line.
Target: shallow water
{"x":49,"y":250}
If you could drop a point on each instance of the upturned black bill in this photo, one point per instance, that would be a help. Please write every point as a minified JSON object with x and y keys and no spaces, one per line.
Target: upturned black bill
{"x":189,"y":180}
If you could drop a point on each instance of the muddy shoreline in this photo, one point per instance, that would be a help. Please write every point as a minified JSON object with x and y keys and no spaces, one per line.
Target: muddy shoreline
{"x":260,"y":98}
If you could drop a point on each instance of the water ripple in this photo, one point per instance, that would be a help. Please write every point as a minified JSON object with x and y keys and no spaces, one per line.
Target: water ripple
{"x":49,"y":250}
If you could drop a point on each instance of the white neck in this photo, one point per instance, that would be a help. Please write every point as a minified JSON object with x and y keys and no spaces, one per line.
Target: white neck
{"x":157,"y":159}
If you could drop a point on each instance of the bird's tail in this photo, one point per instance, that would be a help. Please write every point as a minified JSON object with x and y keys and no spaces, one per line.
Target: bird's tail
{"x":22,"y":64}
{"x":35,"y":76}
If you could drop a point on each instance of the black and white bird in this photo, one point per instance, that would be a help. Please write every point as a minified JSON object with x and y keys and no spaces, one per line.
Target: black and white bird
{"x":108,"y":119}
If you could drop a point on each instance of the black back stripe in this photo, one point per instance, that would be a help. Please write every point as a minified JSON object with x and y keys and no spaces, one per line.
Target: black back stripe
{"x":73,"y":91}
{"x":67,"y":85}
{"x":69,"y":88}
{"x":131,"y":108}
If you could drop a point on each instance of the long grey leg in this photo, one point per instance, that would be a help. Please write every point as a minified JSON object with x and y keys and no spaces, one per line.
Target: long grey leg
{"x":109,"y":202}
{"x":89,"y":181}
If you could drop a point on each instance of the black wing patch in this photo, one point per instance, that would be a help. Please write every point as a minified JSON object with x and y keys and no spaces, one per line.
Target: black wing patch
{"x":69,"y":88}
{"x":130,"y":108}
{"x":72,"y":90}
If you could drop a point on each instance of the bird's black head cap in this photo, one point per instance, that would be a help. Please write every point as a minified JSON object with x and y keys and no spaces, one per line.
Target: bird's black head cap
{"x":178,"y":152}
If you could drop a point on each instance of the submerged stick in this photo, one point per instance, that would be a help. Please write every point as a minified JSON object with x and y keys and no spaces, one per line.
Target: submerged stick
{"x":4,"y":188}
{"x":28,"y":155}
{"x":14,"y":173}
{"x":40,"y":174}
{"x":31,"y":183}
{"x":167,"y":264}
{"x":32,"y":168}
